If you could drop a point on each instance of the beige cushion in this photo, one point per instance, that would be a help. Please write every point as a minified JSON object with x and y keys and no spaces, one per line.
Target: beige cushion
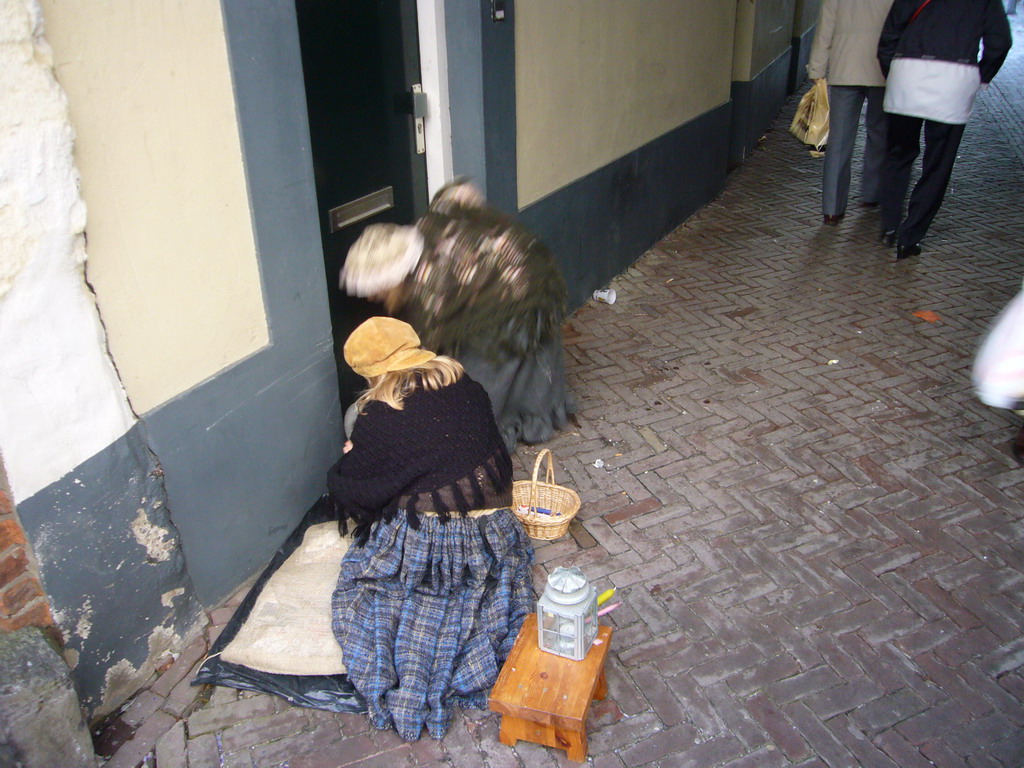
{"x":289,"y":628}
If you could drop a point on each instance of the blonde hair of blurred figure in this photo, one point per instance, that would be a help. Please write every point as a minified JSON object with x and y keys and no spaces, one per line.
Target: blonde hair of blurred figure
{"x":392,"y":387}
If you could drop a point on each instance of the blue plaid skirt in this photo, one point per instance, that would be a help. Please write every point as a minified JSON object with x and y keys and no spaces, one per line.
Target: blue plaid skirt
{"x":425,"y":618}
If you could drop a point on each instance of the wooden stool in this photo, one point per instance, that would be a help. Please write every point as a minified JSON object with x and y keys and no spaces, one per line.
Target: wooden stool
{"x":545,"y":698}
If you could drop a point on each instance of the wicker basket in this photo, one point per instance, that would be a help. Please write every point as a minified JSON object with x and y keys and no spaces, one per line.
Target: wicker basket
{"x":560,"y":503}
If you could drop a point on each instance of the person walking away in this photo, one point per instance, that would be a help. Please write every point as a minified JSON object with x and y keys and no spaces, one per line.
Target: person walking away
{"x":928,"y":51}
{"x":845,"y":53}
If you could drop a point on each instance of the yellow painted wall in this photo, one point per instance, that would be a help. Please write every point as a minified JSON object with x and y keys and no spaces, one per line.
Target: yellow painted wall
{"x":743,"y":48}
{"x":764,"y":31}
{"x":596,"y":79}
{"x":773,"y":32}
{"x":805,"y":15}
{"x":171,"y":253}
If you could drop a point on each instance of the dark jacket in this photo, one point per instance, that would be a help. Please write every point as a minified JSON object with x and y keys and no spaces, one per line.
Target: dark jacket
{"x":948,"y":30}
{"x":441,"y":453}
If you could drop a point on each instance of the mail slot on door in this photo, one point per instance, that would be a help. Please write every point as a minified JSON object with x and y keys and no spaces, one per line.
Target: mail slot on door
{"x":363,"y":208}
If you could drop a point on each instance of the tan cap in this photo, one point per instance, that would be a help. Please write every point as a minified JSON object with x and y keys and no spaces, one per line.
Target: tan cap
{"x":383,"y":344}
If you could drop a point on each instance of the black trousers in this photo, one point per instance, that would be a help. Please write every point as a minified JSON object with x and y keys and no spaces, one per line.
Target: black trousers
{"x":903,"y":145}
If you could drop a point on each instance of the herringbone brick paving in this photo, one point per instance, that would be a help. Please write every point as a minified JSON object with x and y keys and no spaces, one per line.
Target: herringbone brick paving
{"x":816,"y":529}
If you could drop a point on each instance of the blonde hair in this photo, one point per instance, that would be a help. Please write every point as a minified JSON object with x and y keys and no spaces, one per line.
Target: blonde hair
{"x":392,"y":387}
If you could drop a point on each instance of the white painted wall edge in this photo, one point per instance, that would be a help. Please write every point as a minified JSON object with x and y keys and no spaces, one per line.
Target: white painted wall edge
{"x":61,"y":400}
{"x":434,"y":78}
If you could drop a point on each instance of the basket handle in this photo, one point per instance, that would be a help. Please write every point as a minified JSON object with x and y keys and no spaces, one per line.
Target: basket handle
{"x":551,"y":468}
{"x":550,"y":477}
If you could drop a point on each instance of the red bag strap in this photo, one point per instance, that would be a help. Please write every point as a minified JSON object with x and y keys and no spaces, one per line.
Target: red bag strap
{"x":920,"y":8}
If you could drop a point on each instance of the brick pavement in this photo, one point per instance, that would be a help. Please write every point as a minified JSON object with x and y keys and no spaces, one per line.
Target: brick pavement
{"x":816,"y":529}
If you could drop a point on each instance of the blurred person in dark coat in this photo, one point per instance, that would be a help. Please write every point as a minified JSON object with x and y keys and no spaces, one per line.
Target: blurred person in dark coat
{"x":928,"y":52}
{"x":479,"y":287}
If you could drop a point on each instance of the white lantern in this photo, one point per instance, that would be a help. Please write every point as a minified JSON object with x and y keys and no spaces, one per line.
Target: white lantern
{"x":567,"y":614}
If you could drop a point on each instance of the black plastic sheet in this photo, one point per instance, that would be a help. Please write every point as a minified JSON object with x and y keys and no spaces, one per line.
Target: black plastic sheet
{"x":333,"y":693}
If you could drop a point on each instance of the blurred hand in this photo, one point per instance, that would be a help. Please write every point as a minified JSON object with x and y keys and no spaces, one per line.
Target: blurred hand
{"x":347,"y":447}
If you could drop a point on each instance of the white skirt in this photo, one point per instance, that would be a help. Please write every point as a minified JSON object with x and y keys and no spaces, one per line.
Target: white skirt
{"x":937,"y":90}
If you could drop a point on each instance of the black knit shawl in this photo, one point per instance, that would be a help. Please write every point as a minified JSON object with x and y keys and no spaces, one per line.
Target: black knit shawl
{"x":442,"y":452}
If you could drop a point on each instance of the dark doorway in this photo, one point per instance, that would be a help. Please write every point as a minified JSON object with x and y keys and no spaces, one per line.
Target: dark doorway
{"x":360,"y":61}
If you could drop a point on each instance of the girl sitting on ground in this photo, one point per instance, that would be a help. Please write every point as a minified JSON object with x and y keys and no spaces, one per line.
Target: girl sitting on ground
{"x":437,"y":583}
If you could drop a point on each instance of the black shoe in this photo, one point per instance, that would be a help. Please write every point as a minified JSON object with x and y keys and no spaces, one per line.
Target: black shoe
{"x":831,"y":219}
{"x":906,"y":251}
{"x":1018,"y":447}
{"x":869,"y":203}
{"x":889,"y":237}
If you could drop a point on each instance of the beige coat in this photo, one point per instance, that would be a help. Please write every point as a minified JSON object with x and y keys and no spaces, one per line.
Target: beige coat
{"x":845,"y":49}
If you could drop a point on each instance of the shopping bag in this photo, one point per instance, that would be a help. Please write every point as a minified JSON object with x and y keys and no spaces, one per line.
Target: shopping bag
{"x":810,"y":123}
{"x":999,"y":366}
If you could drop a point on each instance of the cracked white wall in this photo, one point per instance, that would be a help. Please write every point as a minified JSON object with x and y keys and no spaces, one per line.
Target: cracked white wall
{"x":60,"y":398}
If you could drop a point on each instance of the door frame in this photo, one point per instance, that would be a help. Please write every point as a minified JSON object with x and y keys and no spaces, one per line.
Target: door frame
{"x":434,"y":77}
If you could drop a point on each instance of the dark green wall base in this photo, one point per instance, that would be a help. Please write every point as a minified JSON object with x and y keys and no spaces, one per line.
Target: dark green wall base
{"x":239,"y":478}
{"x":600,"y":224}
{"x":755,"y":105}
{"x":105,"y":587}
